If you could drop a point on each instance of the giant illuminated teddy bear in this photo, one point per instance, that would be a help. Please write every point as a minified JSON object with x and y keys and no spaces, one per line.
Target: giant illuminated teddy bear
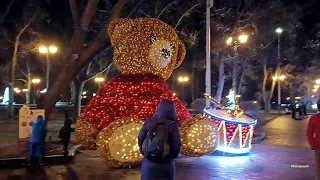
{"x":146,"y":51}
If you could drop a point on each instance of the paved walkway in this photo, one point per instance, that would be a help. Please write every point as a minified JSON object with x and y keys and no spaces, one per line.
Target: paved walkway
{"x":265,"y":163}
{"x":285,"y":131}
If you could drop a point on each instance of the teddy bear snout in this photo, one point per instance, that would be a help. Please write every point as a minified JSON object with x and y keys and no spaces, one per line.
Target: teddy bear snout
{"x":166,"y":53}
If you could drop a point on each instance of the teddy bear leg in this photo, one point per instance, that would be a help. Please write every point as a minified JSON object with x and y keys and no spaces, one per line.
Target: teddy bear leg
{"x":86,"y":134}
{"x":199,"y":136}
{"x":118,"y":143}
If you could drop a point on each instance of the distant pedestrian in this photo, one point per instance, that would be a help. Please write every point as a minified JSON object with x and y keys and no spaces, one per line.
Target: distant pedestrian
{"x":160,"y":142}
{"x":313,"y":135}
{"x":304,"y":111}
{"x":294,"y":110}
{"x":65,"y":133}
{"x":300,"y":110}
{"x":37,"y":140}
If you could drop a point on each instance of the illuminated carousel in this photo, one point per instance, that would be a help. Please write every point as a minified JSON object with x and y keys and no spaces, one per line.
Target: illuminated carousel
{"x":235,"y":127}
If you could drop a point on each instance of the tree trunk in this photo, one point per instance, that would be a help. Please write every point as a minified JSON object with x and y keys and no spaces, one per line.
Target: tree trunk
{"x":28,"y":93}
{"x":264,"y":94}
{"x":77,"y":58}
{"x":12,"y":78}
{"x":242,"y":77}
{"x":10,"y":111}
{"x":73,"y":91}
{"x":77,"y":105}
{"x":221,"y":81}
{"x":193,"y":81}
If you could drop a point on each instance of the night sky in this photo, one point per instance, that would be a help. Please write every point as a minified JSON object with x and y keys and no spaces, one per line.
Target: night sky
{"x":60,"y":19}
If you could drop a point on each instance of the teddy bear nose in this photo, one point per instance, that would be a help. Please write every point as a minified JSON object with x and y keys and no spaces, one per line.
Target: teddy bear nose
{"x":166,"y":53}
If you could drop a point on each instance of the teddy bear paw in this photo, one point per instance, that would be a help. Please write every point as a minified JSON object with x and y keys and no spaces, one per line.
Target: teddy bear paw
{"x":118,"y":143}
{"x":199,"y":136}
{"x":86,"y":134}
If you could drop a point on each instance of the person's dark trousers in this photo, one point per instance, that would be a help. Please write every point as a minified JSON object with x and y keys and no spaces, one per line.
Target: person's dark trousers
{"x":65,"y":147}
{"x":38,"y":149}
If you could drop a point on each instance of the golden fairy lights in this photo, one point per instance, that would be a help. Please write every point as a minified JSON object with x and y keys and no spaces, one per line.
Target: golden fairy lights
{"x":145,"y":45}
{"x":118,"y":143}
{"x":199,"y":137}
{"x":86,"y":133}
{"x":233,"y":113}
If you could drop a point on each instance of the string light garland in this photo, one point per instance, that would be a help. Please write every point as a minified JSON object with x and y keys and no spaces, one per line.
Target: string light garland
{"x":118,"y":143}
{"x":199,"y":137}
{"x":86,"y":133}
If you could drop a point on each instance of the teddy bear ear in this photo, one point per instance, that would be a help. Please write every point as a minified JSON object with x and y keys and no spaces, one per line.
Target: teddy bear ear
{"x":123,"y":22}
{"x":181,"y":54}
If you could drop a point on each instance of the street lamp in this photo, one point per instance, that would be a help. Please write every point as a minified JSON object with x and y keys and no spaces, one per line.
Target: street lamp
{"x":279,"y":32}
{"x":209,"y":5}
{"x":316,"y":86}
{"x":99,"y":80}
{"x":279,"y":79}
{"x":318,"y":81}
{"x":243,"y":38}
{"x":315,"y":90}
{"x":183,"y":80}
{"x":35,"y":82}
{"x":47,"y":50}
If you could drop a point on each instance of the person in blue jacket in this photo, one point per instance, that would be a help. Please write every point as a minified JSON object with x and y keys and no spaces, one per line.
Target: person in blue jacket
{"x":164,"y":169}
{"x":37,"y":140}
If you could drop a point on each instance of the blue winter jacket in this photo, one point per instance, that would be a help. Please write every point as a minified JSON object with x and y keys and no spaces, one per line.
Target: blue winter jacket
{"x":165,"y":170}
{"x":39,"y":131}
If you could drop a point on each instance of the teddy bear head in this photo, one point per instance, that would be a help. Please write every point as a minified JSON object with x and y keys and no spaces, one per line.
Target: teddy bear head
{"x":145,"y":46}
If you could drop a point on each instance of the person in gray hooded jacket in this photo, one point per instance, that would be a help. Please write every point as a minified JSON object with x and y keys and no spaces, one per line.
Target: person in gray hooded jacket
{"x":165,"y":168}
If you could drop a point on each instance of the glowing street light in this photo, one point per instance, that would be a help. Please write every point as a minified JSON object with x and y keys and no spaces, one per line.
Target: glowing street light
{"x":99,"y":79}
{"x":35,"y":81}
{"x":315,"y":90}
{"x":235,"y":42}
{"x":46,"y":50}
{"x":25,"y":90}
{"x":316,"y":86}
{"x":243,"y":38}
{"x":229,"y":41}
{"x":279,"y":79}
{"x":318,"y":81}
{"x":279,"y":30}
{"x":183,"y":79}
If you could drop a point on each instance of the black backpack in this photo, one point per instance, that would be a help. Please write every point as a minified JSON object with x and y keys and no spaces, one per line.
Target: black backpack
{"x":156,"y":144}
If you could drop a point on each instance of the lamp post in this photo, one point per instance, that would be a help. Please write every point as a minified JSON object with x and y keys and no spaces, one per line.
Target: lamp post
{"x":46,"y":50}
{"x":35,"y":82}
{"x":209,"y":5}
{"x":279,"y":31}
{"x":99,"y":80}
{"x":183,"y":80}
{"x":235,"y":43}
{"x":279,"y":79}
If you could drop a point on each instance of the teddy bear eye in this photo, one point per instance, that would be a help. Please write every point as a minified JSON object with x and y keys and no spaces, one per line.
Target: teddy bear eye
{"x":153,"y":38}
{"x":172,"y":46}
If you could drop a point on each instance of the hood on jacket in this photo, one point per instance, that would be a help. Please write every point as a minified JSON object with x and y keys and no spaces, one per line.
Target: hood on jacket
{"x":40,"y":120}
{"x":166,"y":110}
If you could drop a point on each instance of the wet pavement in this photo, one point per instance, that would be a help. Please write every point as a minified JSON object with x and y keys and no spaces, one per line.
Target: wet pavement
{"x":285,"y":131}
{"x":283,"y":156}
{"x":265,"y":162}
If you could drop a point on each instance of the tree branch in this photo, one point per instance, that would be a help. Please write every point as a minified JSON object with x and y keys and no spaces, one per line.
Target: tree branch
{"x":186,"y":13}
{"x":106,"y":68}
{"x":75,"y":12}
{"x":6,"y":12}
